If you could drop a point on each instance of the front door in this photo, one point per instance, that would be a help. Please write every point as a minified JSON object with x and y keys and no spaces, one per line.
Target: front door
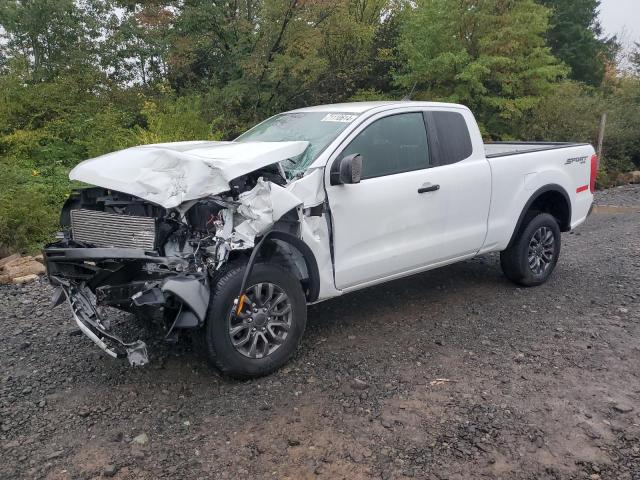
{"x":397,"y":218}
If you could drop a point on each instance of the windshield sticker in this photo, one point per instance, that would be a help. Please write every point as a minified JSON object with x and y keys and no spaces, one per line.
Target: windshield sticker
{"x":339,"y":117}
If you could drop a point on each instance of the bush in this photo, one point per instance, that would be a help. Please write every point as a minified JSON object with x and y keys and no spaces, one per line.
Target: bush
{"x":36,"y":155}
{"x":30,"y":202}
{"x":572,"y":113}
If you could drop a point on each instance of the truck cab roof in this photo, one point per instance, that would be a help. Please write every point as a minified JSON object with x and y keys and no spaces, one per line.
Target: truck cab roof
{"x":361,"y":107}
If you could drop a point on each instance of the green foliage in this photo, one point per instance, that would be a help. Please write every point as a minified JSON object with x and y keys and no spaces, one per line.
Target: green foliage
{"x":79,"y":78}
{"x":489,"y":55}
{"x":56,"y":35}
{"x":30,"y":201}
{"x":575,"y":37}
{"x":572,"y":112}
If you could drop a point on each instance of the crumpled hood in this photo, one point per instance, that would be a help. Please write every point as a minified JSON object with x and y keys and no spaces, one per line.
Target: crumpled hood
{"x":169,"y":174}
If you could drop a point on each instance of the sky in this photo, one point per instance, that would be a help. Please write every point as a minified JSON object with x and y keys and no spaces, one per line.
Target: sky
{"x":621,"y":16}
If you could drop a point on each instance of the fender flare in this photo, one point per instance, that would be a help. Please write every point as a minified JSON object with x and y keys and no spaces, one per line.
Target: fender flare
{"x":303,"y":248}
{"x":553,"y":187}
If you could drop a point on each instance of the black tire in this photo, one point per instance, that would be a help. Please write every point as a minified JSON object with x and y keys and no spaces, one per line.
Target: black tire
{"x":218,"y":342}
{"x":515,"y":260}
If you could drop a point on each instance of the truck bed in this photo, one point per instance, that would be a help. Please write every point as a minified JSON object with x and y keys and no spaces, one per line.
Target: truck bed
{"x":500,"y":149}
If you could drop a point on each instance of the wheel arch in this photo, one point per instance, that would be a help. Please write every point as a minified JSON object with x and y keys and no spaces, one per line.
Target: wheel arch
{"x":552,"y":199}
{"x":291,"y":249}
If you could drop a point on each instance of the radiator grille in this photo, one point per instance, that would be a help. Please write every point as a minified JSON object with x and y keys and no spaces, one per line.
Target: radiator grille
{"x":111,"y":230}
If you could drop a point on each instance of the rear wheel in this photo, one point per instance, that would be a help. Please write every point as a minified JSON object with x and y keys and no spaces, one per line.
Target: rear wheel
{"x":265,"y":332}
{"x":532,"y":257}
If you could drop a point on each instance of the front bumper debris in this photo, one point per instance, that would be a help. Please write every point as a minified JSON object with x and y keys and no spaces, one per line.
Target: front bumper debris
{"x":132,"y":280}
{"x":88,"y":319}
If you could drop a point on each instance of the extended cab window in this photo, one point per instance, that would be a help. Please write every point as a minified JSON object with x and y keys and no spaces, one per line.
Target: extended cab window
{"x":451,"y":135}
{"x":393,"y":144}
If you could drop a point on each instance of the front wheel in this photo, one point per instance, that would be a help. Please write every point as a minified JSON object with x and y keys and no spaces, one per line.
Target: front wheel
{"x":532,"y":257}
{"x":264,"y":333}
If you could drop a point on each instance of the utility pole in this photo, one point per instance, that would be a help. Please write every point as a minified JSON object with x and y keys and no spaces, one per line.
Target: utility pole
{"x":603,"y":123}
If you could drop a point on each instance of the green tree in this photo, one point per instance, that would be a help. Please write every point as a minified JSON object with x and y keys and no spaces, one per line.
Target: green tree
{"x":53,"y":36}
{"x":354,"y":38}
{"x":487,"y":54}
{"x":576,"y":38}
{"x":138,"y":41}
{"x":634,"y":59}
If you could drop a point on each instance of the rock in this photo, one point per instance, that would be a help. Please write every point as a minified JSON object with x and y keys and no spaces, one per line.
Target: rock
{"x":439,"y":342}
{"x":386,"y":423}
{"x":356,"y":456}
{"x":7,"y":260}
{"x":11,"y":445}
{"x":293,"y":442}
{"x":30,"y":268}
{"x":25,"y":279}
{"x":55,"y":454}
{"x":110,"y":470}
{"x":358,"y":384}
{"x":622,"y":407}
{"x":19,"y":269}
{"x":139,"y":454}
{"x":141,"y":439}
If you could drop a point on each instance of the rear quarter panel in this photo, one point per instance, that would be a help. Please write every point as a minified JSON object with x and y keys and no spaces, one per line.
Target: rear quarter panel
{"x":516,"y":178}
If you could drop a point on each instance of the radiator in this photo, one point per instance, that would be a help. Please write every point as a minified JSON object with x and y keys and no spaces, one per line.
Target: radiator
{"x":112,"y":230}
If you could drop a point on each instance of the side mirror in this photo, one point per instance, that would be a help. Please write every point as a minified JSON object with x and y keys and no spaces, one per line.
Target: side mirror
{"x":346,"y":170}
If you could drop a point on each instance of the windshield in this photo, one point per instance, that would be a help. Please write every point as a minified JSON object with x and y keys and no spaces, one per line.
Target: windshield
{"x":317,"y":128}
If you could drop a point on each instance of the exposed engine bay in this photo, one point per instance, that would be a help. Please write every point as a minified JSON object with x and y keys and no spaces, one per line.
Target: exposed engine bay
{"x":120,"y":250}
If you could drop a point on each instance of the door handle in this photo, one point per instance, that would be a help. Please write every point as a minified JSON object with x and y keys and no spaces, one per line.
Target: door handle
{"x":430,"y":188}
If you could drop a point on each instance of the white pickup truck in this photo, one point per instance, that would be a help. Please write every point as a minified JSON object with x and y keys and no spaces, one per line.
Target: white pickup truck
{"x":232,"y":240}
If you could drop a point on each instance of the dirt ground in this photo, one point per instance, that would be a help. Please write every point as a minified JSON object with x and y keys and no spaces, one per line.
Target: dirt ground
{"x":451,"y":374}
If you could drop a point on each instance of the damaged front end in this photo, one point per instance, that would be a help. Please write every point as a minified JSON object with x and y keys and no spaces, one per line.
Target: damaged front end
{"x":120,"y":250}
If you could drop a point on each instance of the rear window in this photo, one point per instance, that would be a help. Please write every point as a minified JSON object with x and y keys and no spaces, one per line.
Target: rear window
{"x":453,"y":136}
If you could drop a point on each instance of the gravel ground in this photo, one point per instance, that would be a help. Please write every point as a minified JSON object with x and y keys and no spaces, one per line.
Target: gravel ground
{"x":451,"y":374}
{"x":624,"y":195}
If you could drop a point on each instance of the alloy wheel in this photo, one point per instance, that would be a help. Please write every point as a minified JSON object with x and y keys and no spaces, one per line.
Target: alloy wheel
{"x":541,"y":250}
{"x":263,"y":322}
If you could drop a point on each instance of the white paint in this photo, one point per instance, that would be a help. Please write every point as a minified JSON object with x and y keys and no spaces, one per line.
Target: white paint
{"x":383,"y":227}
{"x":171,"y":173}
{"x":309,"y":188}
{"x":262,"y":206}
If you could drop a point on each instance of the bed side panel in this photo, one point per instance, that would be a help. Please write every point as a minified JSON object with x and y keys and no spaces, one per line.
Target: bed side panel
{"x":515,"y":178}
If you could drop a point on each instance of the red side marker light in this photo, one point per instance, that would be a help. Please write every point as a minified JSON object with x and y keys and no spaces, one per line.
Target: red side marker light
{"x":594,"y":173}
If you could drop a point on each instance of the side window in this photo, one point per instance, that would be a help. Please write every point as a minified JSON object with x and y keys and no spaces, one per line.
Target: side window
{"x":453,"y":140}
{"x":393,"y":144}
